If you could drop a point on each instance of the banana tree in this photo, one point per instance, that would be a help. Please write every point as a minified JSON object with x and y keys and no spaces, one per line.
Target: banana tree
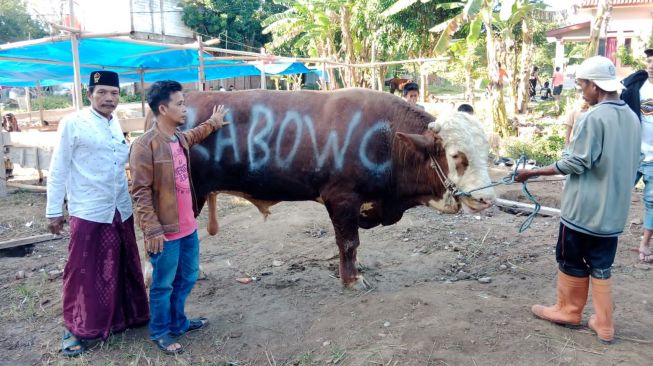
{"x":602,"y":12}
{"x":310,"y":25}
{"x":476,"y":13}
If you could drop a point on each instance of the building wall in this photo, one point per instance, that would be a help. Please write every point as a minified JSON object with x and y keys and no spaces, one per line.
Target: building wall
{"x":161,"y":17}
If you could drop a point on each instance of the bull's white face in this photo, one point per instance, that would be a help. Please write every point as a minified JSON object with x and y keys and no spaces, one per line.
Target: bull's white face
{"x":467,"y":150}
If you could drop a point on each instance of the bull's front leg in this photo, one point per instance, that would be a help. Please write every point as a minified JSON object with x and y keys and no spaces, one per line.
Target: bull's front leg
{"x":344,"y":213}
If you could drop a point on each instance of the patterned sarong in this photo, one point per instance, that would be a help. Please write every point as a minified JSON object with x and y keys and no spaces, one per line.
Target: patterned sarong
{"x":103,"y":288}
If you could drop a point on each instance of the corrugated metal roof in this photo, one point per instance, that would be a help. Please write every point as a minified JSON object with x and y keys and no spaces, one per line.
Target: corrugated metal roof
{"x":593,"y":3}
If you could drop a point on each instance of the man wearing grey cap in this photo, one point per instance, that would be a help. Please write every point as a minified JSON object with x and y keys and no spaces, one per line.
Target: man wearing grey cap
{"x":639,"y":97}
{"x":103,"y":287}
{"x":600,"y":163}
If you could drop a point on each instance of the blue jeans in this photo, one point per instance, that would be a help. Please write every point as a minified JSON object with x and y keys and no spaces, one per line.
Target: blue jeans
{"x":647,"y":197}
{"x":174,"y":273}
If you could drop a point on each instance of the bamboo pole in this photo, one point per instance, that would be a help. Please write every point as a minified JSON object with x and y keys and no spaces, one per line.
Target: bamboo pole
{"x":263,"y":86}
{"x":28,"y":103}
{"x":39,"y":94}
{"x":104,"y":35}
{"x":63,"y":63}
{"x":201,"y":79}
{"x":32,"y":42}
{"x":142,"y":93}
{"x":77,"y":87}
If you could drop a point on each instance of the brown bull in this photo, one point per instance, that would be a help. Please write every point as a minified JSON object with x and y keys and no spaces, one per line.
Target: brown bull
{"x":365,"y":155}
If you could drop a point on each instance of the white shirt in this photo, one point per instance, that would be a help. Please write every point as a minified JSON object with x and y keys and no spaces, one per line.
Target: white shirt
{"x":646,"y":110}
{"x":88,"y":165}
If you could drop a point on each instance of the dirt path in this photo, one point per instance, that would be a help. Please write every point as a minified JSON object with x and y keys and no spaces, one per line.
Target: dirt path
{"x":427,"y":306}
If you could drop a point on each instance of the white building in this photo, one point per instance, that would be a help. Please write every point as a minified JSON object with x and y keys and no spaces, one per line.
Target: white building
{"x":158,"y":20}
{"x":629,"y":24}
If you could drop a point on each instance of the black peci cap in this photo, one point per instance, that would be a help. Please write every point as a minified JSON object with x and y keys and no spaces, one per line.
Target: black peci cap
{"x":103,"y":77}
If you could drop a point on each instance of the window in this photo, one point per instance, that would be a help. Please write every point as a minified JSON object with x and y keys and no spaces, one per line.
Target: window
{"x":627,"y":43}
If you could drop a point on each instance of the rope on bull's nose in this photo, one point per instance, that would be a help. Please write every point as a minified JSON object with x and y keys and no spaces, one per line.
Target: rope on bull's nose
{"x":507,"y":181}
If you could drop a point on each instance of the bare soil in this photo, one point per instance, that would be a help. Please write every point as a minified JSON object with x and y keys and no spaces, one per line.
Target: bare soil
{"x":427,"y":306}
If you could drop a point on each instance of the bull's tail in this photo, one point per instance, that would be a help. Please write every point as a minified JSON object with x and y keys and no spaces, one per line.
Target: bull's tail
{"x":212,"y":226}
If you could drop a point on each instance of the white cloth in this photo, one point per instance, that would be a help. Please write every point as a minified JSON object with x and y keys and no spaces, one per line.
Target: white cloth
{"x":88,"y":166}
{"x":646,"y":109}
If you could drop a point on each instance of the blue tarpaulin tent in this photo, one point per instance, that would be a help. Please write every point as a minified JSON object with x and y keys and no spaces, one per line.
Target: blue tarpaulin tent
{"x":52,"y":63}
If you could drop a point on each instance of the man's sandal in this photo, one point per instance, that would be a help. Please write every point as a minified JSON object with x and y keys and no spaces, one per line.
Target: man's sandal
{"x":68,"y":341}
{"x":165,"y":341}
{"x":193,"y":325}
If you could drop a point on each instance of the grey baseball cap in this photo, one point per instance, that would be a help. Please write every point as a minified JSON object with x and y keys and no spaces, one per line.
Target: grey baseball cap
{"x":601,"y":71}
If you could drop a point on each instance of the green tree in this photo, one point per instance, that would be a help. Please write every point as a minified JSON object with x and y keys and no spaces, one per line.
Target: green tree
{"x":16,"y":24}
{"x":236,"y":22}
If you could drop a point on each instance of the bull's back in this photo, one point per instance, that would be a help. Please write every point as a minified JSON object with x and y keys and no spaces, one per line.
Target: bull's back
{"x":290,"y":145}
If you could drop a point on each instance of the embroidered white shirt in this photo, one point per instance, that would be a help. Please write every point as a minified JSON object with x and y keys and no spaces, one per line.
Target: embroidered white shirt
{"x":88,"y":166}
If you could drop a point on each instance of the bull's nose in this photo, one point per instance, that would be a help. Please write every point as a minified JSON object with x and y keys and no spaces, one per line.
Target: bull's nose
{"x":487,"y":201}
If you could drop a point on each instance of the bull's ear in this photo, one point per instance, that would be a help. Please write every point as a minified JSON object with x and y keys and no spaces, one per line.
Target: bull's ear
{"x":419,"y":142}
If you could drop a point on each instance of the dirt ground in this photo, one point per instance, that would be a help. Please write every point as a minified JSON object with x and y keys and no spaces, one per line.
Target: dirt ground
{"x":427,"y":306}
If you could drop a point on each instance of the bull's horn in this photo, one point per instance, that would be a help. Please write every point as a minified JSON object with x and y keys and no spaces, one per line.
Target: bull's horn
{"x":435,"y":126}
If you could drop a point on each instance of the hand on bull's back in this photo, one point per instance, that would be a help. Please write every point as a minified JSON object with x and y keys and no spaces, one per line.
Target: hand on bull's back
{"x":217,"y":118}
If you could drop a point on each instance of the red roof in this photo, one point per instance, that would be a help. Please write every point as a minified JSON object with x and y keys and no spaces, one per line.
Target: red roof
{"x":594,"y":3}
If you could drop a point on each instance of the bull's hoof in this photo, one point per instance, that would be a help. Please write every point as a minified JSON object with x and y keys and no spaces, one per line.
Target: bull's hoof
{"x":361,"y":284}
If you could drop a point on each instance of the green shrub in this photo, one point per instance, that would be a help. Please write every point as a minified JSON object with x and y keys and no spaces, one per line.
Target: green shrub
{"x":53,"y":102}
{"x":545,"y":150}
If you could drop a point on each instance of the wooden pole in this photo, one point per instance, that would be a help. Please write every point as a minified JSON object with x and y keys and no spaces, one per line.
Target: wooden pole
{"x":39,"y":94}
{"x":74,"y":41}
{"x":10,"y":46}
{"x":263,"y":86}
{"x":324,"y":77}
{"x":142,"y":84}
{"x":77,"y":87}
{"x":201,"y":79}
{"x":373,"y":61}
{"x":422,"y":83}
{"x":63,"y":63}
{"x":28,"y":103}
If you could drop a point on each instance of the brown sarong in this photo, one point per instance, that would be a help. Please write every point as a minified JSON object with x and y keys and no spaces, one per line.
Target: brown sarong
{"x":103,"y":288}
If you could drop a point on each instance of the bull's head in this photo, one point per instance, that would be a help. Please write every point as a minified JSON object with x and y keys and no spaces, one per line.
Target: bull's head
{"x":457,"y":156}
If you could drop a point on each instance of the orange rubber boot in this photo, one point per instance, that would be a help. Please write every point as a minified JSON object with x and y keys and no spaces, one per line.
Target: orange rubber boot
{"x":572,"y":297}
{"x":601,"y":322}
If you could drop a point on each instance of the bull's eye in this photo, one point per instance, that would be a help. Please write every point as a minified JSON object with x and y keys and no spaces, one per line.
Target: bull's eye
{"x":455,"y":156}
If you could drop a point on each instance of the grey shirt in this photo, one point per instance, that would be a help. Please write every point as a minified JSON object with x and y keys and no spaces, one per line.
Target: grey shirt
{"x":601,"y":163}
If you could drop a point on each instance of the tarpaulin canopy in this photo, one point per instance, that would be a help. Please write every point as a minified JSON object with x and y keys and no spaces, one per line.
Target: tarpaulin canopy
{"x":52,"y":63}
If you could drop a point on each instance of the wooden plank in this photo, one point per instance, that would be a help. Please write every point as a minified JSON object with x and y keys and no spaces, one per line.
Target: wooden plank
{"x":28,"y":240}
{"x":28,"y":187}
{"x":30,"y":157}
{"x":550,"y":211}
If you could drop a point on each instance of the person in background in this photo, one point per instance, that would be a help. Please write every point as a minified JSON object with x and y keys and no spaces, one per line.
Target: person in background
{"x":557,"y":81}
{"x":466,"y":108}
{"x":639,"y":97}
{"x":411,"y":94}
{"x":533,"y":81}
{"x":103,"y":288}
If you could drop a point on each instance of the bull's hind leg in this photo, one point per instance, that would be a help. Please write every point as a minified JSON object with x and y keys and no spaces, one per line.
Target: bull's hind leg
{"x":344,"y":213}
